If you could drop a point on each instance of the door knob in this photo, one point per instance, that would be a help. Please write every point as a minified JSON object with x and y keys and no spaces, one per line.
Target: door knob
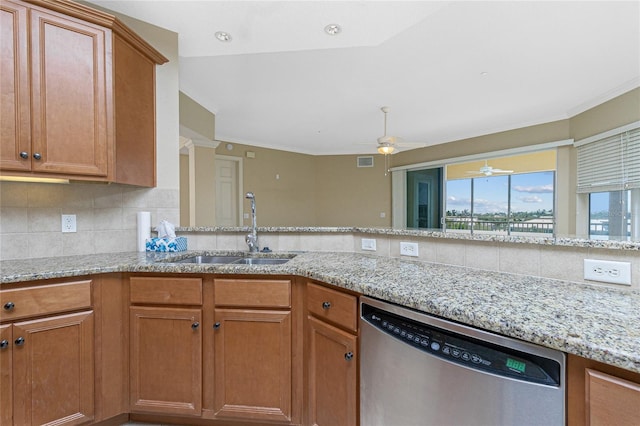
{"x":9,"y":306}
{"x":19,"y":341}
{"x":24,"y":155}
{"x":326,"y":305}
{"x":195,"y":325}
{"x":4,"y":344}
{"x":216,"y":325}
{"x":37,"y":156}
{"x":348,"y":356}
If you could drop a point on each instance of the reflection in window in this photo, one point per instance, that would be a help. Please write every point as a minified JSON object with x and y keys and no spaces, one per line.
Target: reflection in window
{"x":508,"y":204}
{"x":423,"y":198}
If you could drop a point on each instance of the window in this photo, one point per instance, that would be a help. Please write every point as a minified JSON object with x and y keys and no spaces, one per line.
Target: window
{"x":504,"y":204}
{"x":506,"y":194}
{"x":609,"y":175}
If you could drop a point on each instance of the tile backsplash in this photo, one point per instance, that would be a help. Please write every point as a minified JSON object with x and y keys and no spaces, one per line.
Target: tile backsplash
{"x":30,"y":217}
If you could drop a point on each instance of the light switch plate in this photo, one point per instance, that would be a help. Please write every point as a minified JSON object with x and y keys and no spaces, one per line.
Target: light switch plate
{"x":607,"y":271}
{"x":368,"y":244}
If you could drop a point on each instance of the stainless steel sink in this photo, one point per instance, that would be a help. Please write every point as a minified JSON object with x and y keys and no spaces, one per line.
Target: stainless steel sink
{"x":236,"y":260}
{"x":261,"y":261}
{"x":209,"y":259}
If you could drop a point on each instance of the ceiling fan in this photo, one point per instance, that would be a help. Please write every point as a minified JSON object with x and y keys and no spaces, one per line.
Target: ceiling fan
{"x":487,"y":170}
{"x":387,"y":144}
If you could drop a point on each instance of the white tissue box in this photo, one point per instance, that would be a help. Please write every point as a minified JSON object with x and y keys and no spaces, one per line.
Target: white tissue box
{"x":166,"y":244}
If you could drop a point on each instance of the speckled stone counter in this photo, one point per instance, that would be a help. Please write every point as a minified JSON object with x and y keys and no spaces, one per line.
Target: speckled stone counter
{"x":594,"y":322}
{"x":537,"y":239}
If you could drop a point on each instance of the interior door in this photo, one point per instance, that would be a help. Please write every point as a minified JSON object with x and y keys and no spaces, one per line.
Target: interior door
{"x":226,"y":192}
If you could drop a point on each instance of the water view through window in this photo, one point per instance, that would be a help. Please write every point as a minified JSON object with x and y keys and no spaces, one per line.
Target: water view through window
{"x":610,"y":215}
{"x":509,"y":204}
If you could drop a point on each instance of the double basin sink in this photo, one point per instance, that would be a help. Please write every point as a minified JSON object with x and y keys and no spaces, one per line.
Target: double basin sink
{"x":235,"y":260}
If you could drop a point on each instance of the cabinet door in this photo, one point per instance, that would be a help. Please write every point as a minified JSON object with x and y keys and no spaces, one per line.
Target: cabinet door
{"x":70,"y":75}
{"x":332,"y":375}
{"x":252,"y":359}
{"x":6,"y":382}
{"x":53,"y":370}
{"x":15,"y":125}
{"x":611,"y":400}
{"x":166,"y":360}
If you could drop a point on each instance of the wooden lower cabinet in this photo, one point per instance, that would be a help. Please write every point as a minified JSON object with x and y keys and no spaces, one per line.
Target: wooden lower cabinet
{"x":253,"y":364}
{"x":332,"y":366}
{"x":599,"y":394}
{"x":6,"y":375}
{"x":53,"y":370}
{"x":331,"y":356}
{"x":166,"y":360}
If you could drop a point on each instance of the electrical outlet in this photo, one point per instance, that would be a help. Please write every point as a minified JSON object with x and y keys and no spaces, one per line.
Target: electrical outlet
{"x":409,"y":249}
{"x":607,"y":271}
{"x":68,"y":223}
{"x":368,"y":244}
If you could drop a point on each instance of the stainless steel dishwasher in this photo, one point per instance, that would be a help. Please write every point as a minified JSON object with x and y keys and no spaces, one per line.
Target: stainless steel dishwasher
{"x":416,"y":369}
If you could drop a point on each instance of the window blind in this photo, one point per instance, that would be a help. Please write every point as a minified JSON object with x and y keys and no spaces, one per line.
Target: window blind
{"x":610,"y":164}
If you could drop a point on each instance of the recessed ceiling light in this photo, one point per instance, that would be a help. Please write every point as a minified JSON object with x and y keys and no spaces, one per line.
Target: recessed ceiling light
{"x":484,"y":73}
{"x":333,"y":29}
{"x":223,"y":36}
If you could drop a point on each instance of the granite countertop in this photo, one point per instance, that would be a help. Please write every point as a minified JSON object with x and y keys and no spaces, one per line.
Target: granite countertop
{"x":537,"y":239}
{"x":595,"y":322}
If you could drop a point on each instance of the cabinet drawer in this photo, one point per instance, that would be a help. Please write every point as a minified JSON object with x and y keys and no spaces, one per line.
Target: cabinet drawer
{"x":45,"y":299}
{"x":333,"y":306}
{"x":166,"y":290}
{"x":253,"y":293}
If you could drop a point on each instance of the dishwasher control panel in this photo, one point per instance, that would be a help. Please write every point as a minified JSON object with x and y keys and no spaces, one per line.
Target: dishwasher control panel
{"x":465,"y":350}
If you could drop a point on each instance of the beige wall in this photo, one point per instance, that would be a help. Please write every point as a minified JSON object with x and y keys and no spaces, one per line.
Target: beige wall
{"x":617,"y":112}
{"x":533,"y":135}
{"x":350,"y":196}
{"x":304,"y":190}
{"x":283,"y":182}
{"x":196,"y":118}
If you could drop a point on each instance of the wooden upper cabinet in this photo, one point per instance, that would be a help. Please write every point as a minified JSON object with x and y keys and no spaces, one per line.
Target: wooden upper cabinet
{"x":78,"y":94}
{"x":15,"y":124}
{"x":69,"y":95}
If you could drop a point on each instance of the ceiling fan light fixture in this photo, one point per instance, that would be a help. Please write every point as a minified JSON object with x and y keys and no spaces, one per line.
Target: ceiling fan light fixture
{"x":386,"y":149}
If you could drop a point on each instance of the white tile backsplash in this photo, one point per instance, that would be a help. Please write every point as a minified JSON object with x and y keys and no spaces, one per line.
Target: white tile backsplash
{"x":30,"y":215}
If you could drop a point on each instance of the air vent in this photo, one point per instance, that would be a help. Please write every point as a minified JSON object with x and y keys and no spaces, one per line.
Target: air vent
{"x":365,"y":161}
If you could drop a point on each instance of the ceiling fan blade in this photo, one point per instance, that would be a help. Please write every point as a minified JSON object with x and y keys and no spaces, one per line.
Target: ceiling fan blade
{"x":501,"y":171}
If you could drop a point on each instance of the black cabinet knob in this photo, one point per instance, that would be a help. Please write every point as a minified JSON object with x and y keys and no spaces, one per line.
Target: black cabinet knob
{"x":37,"y":156}
{"x":326,"y":305}
{"x":4,"y":344}
{"x":348,"y":356}
{"x":216,"y":325}
{"x":195,"y":325}
{"x":9,"y":306}
{"x":19,"y":341}
{"x":24,"y":155}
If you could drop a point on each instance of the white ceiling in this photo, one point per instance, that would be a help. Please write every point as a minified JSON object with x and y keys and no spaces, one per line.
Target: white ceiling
{"x":283,"y":83}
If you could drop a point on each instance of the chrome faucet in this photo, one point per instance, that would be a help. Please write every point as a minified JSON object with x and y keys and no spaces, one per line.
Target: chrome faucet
{"x":252,"y":238}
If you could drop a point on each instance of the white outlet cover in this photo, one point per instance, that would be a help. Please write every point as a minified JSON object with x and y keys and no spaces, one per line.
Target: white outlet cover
{"x":607,"y":271}
{"x":409,"y":249}
{"x":68,"y":223}
{"x":368,"y":244}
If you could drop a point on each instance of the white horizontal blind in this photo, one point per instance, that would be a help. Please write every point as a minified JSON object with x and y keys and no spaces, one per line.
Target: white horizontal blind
{"x":610,"y":164}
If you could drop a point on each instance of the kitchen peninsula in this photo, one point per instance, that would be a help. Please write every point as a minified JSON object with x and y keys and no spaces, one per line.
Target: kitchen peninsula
{"x":590,"y":321}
